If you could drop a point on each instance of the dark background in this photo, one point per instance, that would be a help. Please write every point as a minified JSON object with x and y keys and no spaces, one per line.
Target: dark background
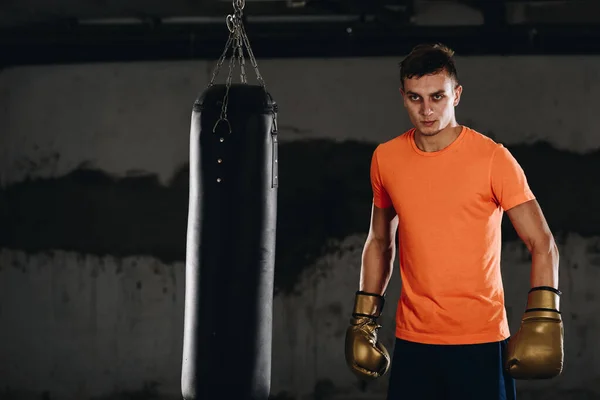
{"x":94,"y":173}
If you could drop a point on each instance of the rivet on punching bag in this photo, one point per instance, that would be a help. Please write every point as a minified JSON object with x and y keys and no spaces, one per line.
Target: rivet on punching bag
{"x":230,"y":240}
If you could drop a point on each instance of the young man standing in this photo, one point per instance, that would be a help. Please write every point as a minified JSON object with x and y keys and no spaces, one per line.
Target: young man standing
{"x":443,"y":188}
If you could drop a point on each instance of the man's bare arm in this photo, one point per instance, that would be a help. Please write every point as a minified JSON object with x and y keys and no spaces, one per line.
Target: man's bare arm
{"x":531,"y":226}
{"x":379,"y":251}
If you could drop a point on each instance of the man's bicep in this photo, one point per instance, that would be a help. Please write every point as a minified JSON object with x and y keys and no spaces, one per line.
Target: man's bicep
{"x":384,"y":222}
{"x":508,"y":180}
{"x":381,"y":197}
{"x":530,"y":224}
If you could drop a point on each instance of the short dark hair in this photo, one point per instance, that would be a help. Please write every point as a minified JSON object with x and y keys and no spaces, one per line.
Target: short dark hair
{"x":427,"y":59}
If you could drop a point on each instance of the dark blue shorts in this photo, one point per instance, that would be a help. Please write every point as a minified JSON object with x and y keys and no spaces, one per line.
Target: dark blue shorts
{"x":449,"y":372}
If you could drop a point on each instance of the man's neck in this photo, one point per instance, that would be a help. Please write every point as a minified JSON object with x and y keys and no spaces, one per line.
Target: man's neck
{"x":439,"y":141}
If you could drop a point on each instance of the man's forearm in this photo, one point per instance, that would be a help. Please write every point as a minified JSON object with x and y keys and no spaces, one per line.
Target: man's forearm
{"x":377,"y":266}
{"x":544,"y":265}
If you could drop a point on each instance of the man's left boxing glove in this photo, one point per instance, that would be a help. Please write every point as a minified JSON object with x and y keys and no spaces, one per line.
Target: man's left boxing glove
{"x":536,"y":350}
{"x":366,"y":357}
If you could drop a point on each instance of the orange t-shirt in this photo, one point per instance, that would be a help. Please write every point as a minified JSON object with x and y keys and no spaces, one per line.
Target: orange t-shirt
{"x":450,"y":205}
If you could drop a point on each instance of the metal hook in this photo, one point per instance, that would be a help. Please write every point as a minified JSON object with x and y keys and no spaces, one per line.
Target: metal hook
{"x":217,"y":123}
{"x":231,"y":23}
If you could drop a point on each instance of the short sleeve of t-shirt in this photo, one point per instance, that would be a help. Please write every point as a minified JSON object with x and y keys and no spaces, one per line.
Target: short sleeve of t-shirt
{"x":381,"y":198}
{"x":509,"y":183}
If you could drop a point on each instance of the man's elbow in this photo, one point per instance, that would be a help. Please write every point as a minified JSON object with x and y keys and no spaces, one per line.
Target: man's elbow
{"x":380,"y":249}
{"x":545,"y":245}
{"x":382,"y":244}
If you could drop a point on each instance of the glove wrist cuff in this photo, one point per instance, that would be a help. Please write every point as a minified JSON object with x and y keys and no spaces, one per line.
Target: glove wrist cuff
{"x":368,"y":304}
{"x":543,"y":298}
{"x":549,"y":288}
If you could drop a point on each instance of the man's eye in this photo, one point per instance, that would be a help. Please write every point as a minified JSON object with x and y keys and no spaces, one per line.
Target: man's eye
{"x":438,"y":96}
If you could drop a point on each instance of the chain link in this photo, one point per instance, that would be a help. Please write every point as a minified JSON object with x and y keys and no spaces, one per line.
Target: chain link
{"x":252,"y":58}
{"x":220,"y":62}
{"x":225,"y":102}
{"x":239,"y":39}
{"x":241,"y":58}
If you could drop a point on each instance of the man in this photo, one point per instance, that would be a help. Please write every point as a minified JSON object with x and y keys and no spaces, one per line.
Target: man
{"x":443,"y":188}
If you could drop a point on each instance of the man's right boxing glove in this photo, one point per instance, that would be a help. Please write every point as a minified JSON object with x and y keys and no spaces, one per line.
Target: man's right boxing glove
{"x":366,"y":357}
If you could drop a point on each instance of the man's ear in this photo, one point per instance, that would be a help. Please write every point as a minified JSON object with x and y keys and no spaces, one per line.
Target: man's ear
{"x":457,"y":94}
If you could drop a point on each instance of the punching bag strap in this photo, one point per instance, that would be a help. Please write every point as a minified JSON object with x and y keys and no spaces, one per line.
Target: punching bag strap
{"x":239,"y":39}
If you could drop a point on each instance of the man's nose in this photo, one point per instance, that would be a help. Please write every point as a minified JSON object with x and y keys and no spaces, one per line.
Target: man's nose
{"x":426,"y":109}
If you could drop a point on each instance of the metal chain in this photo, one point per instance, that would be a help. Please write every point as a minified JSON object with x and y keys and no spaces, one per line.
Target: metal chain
{"x":239,"y":38}
{"x":220,"y":62}
{"x":225,"y":103}
{"x":241,"y":58}
{"x":252,"y":58}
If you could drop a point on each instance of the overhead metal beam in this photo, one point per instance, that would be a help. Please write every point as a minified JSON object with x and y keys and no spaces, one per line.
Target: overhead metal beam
{"x":53,"y":14}
{"x":389,"y":12}
{"x":283,"y":40}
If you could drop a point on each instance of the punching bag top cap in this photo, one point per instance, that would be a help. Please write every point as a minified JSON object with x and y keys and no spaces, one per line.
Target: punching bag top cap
{"x":242,"y":98}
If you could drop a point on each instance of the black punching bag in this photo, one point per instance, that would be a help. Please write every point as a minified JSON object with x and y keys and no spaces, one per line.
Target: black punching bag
{"x":230,"y":245}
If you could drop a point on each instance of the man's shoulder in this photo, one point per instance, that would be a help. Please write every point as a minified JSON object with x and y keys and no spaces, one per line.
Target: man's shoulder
{"x":484,"y":143}
{"x":393,"y":144}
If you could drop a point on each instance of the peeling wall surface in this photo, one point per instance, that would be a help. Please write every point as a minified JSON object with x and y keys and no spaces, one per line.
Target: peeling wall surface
{"x":93,"y":216}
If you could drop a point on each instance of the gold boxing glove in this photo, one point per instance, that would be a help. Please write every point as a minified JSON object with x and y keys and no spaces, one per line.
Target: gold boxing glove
{"x":366,"y":357}
{"x":536,"y":350}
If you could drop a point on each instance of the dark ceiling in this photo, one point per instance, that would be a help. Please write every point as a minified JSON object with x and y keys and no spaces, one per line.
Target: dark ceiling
{"x":39,"y":31}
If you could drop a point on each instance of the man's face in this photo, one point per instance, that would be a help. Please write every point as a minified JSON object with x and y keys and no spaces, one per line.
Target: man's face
{"x":430,"y":102}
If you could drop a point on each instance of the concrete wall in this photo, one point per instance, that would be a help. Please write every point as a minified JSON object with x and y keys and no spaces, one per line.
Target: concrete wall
{"x":93,"y":209}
